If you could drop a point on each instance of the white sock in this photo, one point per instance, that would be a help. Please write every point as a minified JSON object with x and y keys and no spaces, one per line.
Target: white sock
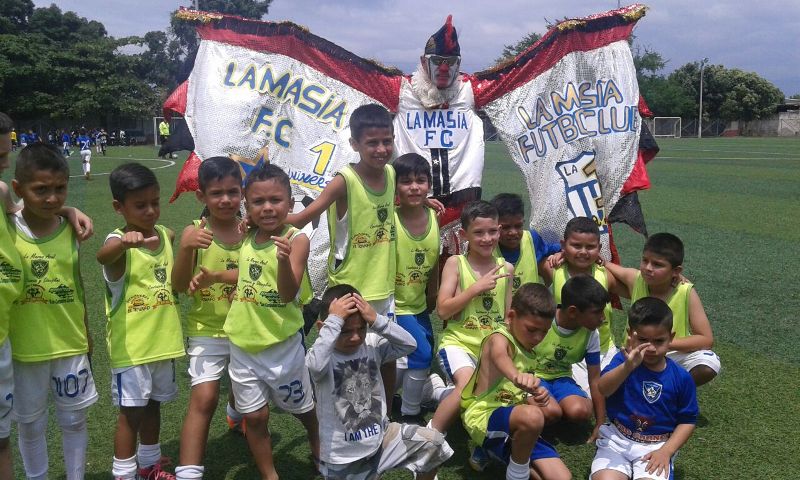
{"x":148,"y":455}
{"x":187,"y":472}
{"x":517,"y":471}
{"x":124,"y":469}
{"x":33,"y":447}
{"x":235,"y":416}
{"x":413,"y":381}
{"x":74,"y":439}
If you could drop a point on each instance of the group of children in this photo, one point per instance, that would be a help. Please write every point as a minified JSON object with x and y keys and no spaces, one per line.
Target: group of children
{"x":516,"y":355}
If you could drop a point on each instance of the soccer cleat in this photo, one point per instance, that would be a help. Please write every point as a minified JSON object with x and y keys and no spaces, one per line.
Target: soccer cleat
{"x":153,"y":472}
{"x":236,"y":426}
{"x":479,"y":460}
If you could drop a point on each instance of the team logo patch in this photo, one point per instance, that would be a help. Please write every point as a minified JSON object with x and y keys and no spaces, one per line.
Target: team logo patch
{"x":504,"y":396}
{"x":231,"y":266}
{"x":651,"y":391}
{"x":487,"y":302}
{"x":40,"y":268}
{"x":517,"y":282}
{"x":160,"y":274}
{"x":419,"y":258}
{"x":255,"y":271}
{"x":383,"y":213}
{"x":248,"y":294}
{"x":560,"y":353}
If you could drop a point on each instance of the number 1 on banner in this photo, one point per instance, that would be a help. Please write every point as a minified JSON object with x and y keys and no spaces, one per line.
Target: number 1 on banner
{"x":324,"y":153}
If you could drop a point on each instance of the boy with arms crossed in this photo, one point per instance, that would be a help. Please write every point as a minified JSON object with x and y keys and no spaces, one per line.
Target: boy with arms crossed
{"x":417,"y":277}
{"x":359,"y":441}
{"x":137,"y":267}
{"x":501,"y":403}
{"x":652,"y":401}
{"x":659,"y":275}
{"x":49,"y":330}
{"x":573,"y":337}
{"x":208,"y":245}
{"x":267,"y":360}
{"x":475,"y":294}
{"x":522,"y":248}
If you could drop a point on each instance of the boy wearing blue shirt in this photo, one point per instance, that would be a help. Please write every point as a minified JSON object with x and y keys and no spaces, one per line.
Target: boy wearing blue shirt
{"x":651,"y":401}
{"x":85,"y":145}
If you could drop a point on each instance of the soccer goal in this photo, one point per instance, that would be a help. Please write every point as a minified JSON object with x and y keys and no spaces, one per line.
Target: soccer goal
{"x":667,"y":127}
{"x":173,"y":124}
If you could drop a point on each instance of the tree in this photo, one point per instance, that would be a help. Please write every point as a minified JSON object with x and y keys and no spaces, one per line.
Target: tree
{"x":14,"y":15}
{"x":648,"y":63}
{"x":511,"y":51}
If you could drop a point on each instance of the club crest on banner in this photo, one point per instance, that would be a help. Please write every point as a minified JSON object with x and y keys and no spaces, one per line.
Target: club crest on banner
{"x":582,"y":188}
{"x":651,"y":391}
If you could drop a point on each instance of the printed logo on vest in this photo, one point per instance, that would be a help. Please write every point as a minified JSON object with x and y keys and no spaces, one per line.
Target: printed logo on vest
{"x":40,"y":268}
{"x":248,"y":294}
{"x":651,"y":391}
{"x":383,"y":213}
{"x":255,"y":271}
{"x":64,"y":294}
{"x":9,"y":274}
{"x":517,"y":282}
{"x":504,"y":396}
{"x":488,"y":302}
{"x":34,"y":294}
{"x":560,"y":353}
{"x":361,"y":240}
{"x":382,"y":236}
{"x":419,"y":258}
{"x":163,"y":297}
{"x":160,"y":273}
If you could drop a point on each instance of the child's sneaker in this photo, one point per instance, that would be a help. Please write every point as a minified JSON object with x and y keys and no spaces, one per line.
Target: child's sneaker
{"x":479,"y":460}
{"x":153,"y":472}
{"x":236,"y":426}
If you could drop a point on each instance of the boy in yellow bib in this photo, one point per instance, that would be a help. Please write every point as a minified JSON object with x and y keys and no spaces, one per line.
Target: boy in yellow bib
{"x":416,"y":279}
{"x":208,"y":245}
{"x":659,"y":275}
{"x":525,"y":249}
{"x":49,"y":328}
{"x":474,"y":297}
{"x":267,"y":360}
{"x":140,"y":301}
{"x":580,"y":254}
{"x":500,"y":406}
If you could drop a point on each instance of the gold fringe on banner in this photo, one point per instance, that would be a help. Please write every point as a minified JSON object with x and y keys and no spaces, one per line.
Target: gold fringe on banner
{"x":196,"y":15}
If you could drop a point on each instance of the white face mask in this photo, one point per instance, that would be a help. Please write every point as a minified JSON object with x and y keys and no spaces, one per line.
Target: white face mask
{"x":434,"y":62}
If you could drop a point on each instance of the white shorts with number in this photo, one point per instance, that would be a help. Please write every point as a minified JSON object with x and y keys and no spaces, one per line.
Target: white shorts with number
{"x":412,"y":447}
{"x":277,"y":374}
{"x":135,"y":386}
{"x":695,"y":359}
{"x":581,"y":375}
{"x":208,"y":358}
{"x":619,"y":453}
{"x":453,"y":359}
{"x":86,"y":156}
{"x":6,"y":389}
{"x":69,"y":379}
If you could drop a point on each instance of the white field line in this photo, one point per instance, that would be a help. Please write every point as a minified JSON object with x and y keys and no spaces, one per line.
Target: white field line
{"x":169,"y":163}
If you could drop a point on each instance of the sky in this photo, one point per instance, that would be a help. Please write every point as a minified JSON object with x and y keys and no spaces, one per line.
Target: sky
{"x":761,"y":37}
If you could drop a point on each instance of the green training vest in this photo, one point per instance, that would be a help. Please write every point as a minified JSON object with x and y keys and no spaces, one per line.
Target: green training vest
{"x":526,"y":270}
{"x":47,"y":319}
{"x":476,"y":409}
{"x":258,"y":318}
{"x":145,"y":326}
{"x":560,"y":277}
{"x":468,"y":328}
{"x":210,"y":305}
{"x":417,"y":257}
{"x":369,"y":263}
{"x":10,"y":275}
{"x":557,"y":352}
{"x":678,"y":302}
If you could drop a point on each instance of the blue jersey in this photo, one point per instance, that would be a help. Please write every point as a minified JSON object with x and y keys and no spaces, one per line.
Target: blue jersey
{"x":653,"y":403}
{"x":23,"y":138}
{"x":65,"y":138}
{"x":85,"y":142}
{"x":542,"y":249}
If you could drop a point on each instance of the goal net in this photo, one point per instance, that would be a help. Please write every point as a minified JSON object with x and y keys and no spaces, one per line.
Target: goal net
{"x":666,"y":127}
{"x":173,"y":124}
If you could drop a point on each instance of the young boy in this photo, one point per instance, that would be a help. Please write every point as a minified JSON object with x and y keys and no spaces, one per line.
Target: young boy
{"x":475,"y":294}
{"x":85,"y":146}
{"x":573,"y":337}
{"x":522,"y":248}
{"x":417,"y":277}
{"x":137,"y":267}
{"x":49,"y":327}
{"x":209,"y":244}
{"x":500,"y":406}
{"x":581,"y":252}
{"x":360,"y":204}
{"x":267,"y":359}
{"x":659,"y":275}
{"x":66,"y":140}
{"x":358,"y":440}
{"x":652,"y":402}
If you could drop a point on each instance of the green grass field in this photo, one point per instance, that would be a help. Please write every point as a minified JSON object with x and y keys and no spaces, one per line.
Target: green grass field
{"x":730,"y":200}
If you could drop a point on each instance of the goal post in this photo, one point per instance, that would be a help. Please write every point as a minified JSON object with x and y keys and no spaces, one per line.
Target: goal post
{"x":173,"y":124}
{"x":667,"y":127}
